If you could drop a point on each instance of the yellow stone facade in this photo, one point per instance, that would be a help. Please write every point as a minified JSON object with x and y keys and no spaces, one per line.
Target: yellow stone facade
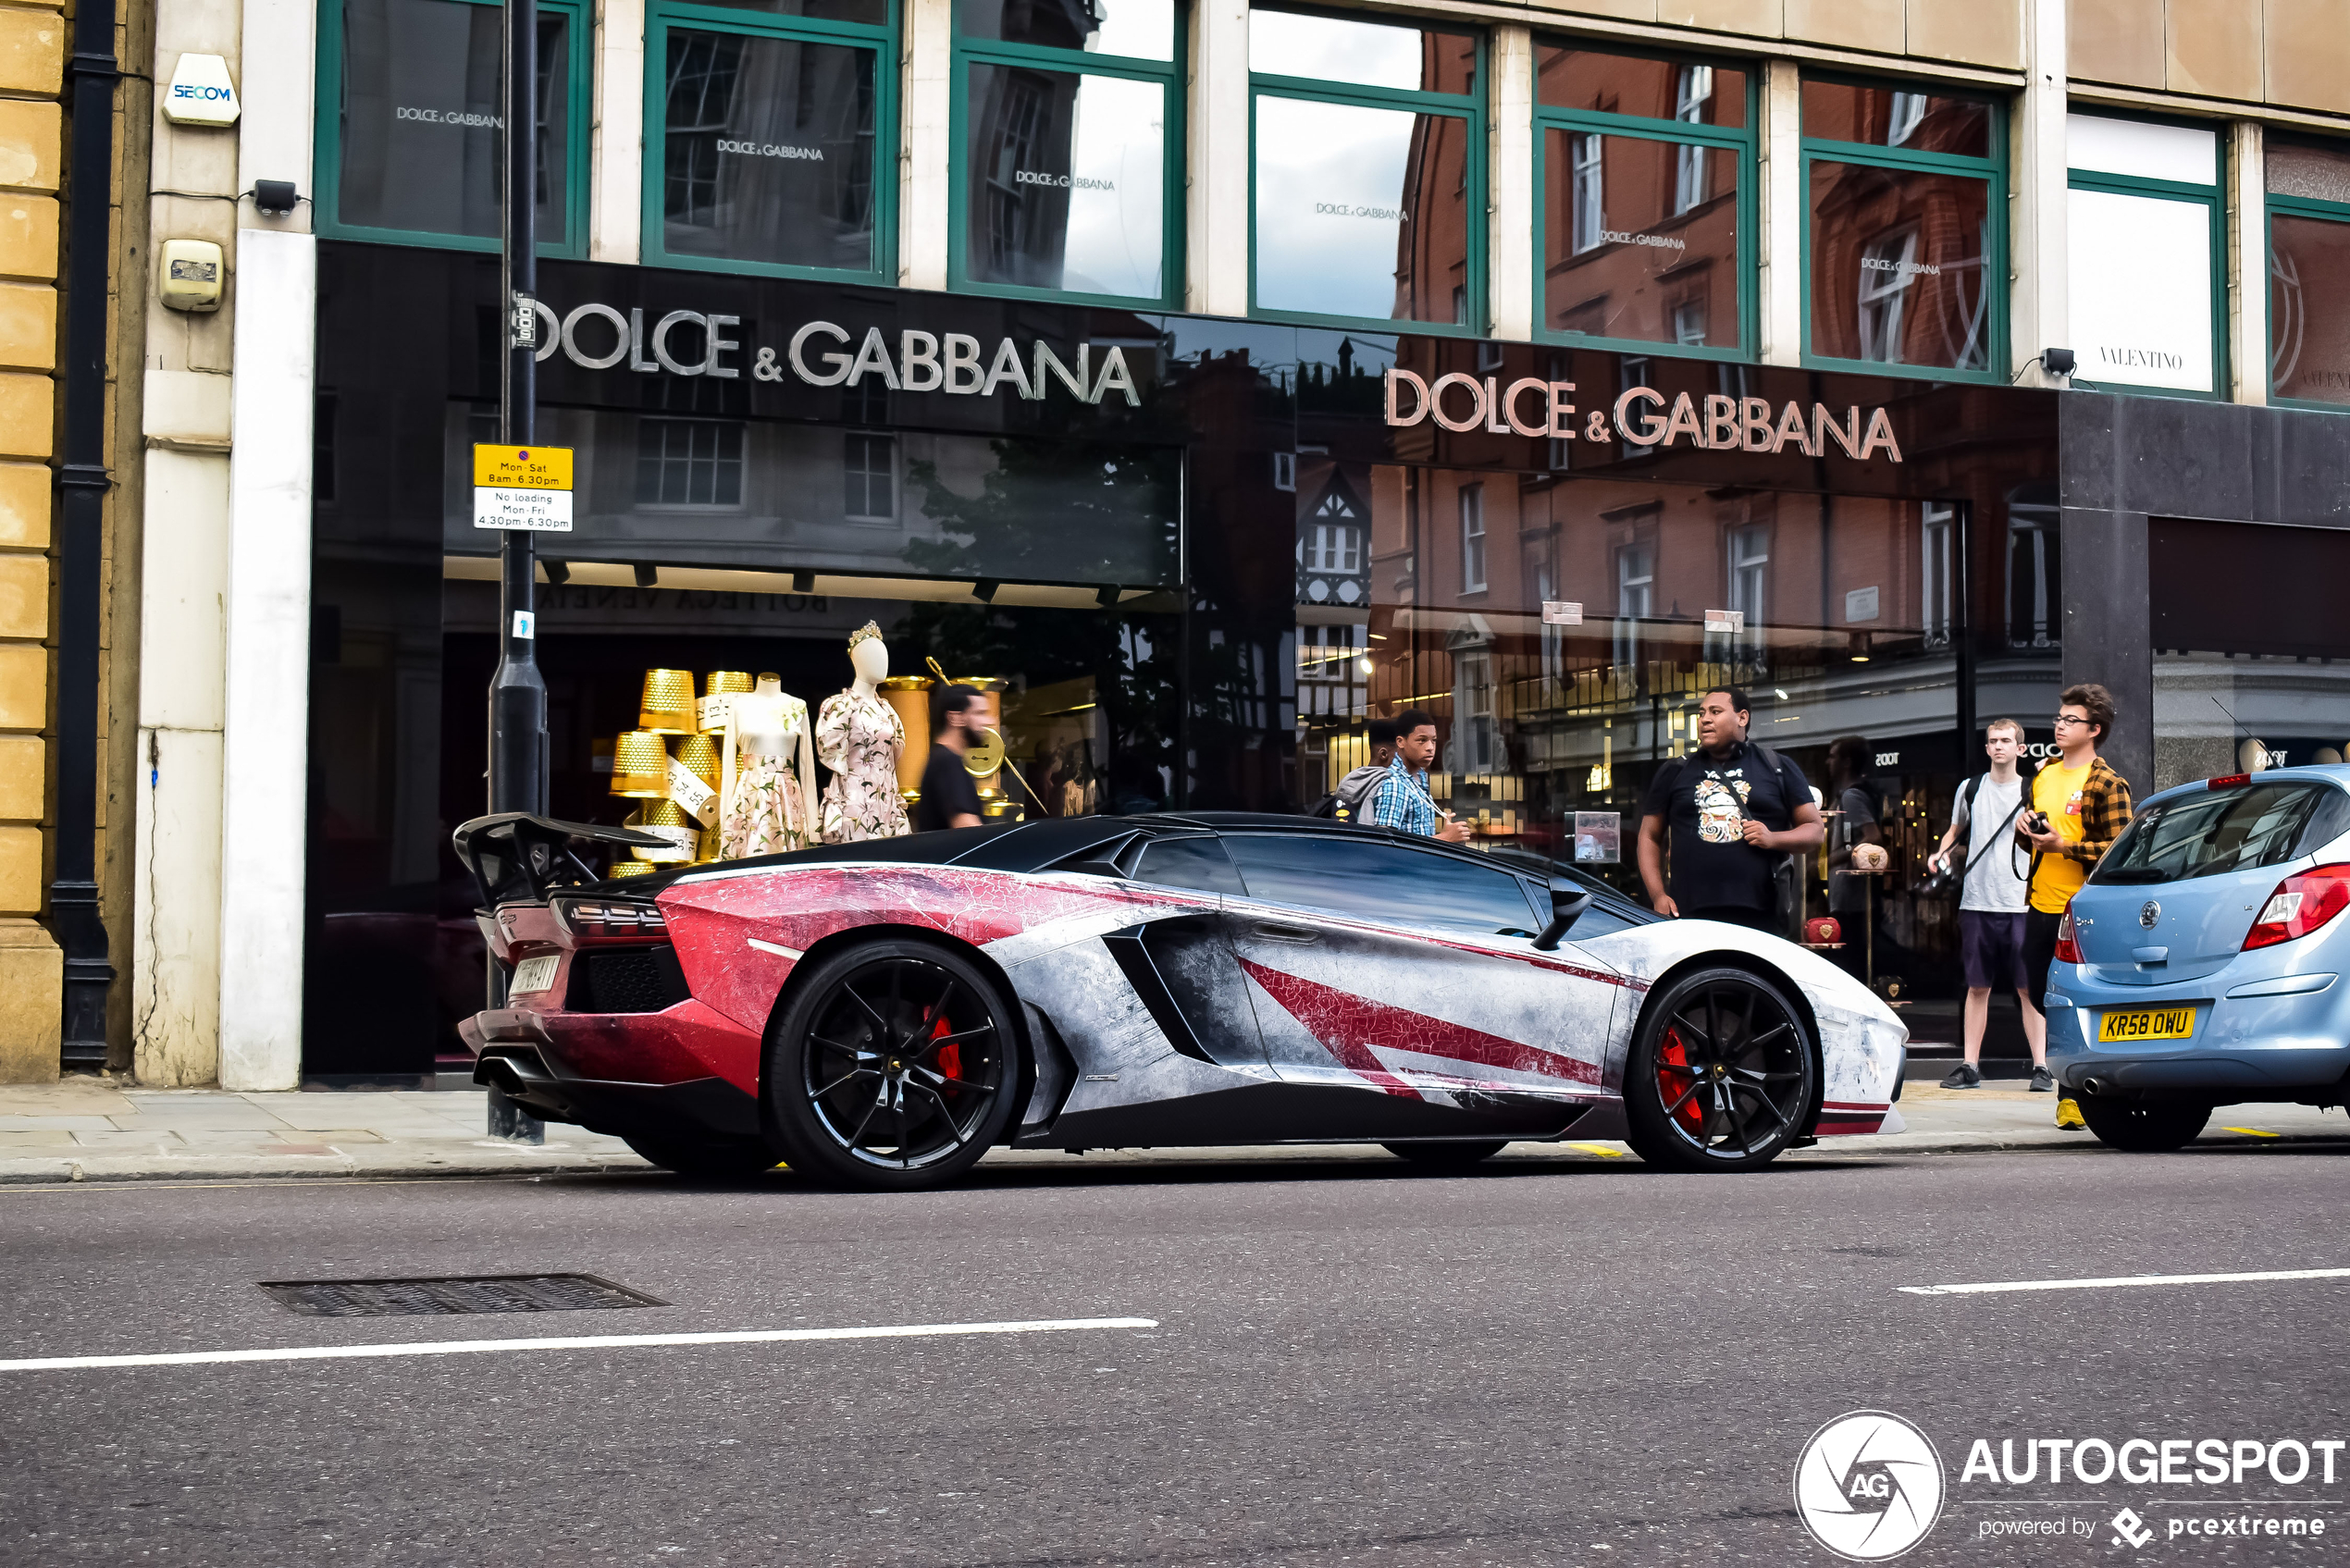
{"x":33,"y":49}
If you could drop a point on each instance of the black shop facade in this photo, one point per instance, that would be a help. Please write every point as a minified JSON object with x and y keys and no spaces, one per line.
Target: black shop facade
{"x":1187,"y":559}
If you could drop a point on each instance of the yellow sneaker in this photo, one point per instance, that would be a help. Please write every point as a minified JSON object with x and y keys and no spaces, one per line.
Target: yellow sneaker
{"x":2069,"y":1114}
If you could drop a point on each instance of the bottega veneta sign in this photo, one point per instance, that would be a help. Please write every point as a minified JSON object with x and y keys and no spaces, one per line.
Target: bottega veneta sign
{"x":1642,"y":416}
{"x":685,"y":342}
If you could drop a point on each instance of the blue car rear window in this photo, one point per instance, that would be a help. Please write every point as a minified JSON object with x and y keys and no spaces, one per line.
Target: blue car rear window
{"x":2226,"y":829}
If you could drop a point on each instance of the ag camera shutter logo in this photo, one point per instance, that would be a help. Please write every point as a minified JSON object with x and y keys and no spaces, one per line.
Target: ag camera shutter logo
{"x":1869,"y":1486}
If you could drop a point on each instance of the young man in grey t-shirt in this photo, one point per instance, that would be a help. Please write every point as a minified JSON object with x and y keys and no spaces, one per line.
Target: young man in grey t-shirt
{"x":1991,"y":903}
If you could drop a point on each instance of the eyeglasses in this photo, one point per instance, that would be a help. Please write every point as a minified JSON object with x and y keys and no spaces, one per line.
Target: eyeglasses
{"x":2068,"y":719}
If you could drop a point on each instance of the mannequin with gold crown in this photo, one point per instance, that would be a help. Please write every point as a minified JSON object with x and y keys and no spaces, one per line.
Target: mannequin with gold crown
{"x":858,"y":737}
{"x":768,"y":794}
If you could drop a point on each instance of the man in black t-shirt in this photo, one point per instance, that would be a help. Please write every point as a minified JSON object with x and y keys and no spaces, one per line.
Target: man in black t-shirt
{"x":1737,"y":811}
{"x":949,"y":799}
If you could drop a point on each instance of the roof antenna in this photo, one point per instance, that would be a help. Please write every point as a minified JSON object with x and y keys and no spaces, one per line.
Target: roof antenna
{"x":2260,"y":745}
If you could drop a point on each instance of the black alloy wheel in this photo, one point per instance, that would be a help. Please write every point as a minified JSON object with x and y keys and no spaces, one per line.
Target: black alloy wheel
{"x":1440,"y":1154}
{"x":704,"y":1162}
{"x":893,"y":1066}
{"x":2144,"y":1127}
{"x":1723,"y":1076}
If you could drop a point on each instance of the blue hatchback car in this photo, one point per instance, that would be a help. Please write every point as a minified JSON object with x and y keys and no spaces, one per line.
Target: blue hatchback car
{"x":2203,"y":963}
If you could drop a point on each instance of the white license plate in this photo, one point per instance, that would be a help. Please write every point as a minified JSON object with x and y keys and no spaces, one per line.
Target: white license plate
{"x":535,"y":974}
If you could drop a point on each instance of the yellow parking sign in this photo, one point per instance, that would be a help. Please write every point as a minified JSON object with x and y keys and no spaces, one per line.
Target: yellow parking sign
{"x":527,"y":488}
{"x":522,"y":468}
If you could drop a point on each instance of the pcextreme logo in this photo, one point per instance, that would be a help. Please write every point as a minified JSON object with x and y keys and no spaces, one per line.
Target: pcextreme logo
{"x":1869,"y":1486}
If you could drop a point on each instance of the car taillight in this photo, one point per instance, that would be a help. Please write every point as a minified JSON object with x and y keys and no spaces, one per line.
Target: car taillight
{"x":2227,"y":781}
{"x":2302,"y":903}
{"x":588,"y":920}
{"x":2067,"y":950}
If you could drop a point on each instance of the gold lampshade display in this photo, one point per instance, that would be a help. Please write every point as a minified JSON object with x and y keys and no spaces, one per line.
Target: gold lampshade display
{"x":699,"y":754}
{"x":910,"y":696}
{"x":721,"y":683}
{"x":633,"y":868}
{"x":668,"y":705}
{"x":664,"y":814}
{"x":640,"y":766}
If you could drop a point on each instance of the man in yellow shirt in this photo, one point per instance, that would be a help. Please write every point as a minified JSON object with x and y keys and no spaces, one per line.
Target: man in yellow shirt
{"x":2079,"y":806}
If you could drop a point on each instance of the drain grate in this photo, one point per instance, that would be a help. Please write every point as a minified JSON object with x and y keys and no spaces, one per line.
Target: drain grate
{"x":460,"y":1293}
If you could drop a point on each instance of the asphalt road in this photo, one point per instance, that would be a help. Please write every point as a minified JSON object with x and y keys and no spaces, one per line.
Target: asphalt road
{"x":1571,"y":1361}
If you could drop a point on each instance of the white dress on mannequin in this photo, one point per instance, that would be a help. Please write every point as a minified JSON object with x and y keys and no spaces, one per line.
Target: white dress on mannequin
{"x":770,"y":782}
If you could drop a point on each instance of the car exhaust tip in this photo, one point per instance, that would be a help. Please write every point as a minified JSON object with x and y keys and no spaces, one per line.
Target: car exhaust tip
{"x":2096,"y":1086}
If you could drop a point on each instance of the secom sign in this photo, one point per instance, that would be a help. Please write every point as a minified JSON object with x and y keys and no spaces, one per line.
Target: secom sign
{"x":1641,"y":416}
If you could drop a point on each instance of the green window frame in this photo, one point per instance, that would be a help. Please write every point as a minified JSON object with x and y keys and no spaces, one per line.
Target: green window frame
{"x":879,"y":38}
{"x":326,"y":179}
{"x":1743,"y":143}
{"x":1469,"y":108}
{"x":1992,"y":169}
{"x":2306,"y":207}
{"x":972,"y":52}
{"x":2213,"y":200}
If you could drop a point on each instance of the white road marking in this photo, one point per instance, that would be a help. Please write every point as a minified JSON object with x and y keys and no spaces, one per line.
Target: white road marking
{"x":2120,"y":1282}
{"x":572,"y":1343}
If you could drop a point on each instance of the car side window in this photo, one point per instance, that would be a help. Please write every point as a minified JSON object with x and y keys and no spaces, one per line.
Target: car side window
{"x":1393,"y":883}
{"x":1198,"y":863}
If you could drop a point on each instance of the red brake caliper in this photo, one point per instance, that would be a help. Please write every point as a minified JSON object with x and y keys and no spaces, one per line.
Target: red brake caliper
{"x":1674,"y":1079}
{"x":950,"y":1058}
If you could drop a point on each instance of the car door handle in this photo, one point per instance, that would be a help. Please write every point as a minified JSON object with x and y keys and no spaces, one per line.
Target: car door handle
{"x":1288,"y":934}
{"x":2149,"y":955}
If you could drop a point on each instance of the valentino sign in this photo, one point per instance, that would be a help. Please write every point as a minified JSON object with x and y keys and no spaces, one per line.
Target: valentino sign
{"x":685,"y":342}
{"x":1641,"y":416}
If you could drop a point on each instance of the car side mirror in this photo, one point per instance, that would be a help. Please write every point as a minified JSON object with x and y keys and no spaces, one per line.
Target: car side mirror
{"x":1568,"y":900}
{"x":1095,"y":869}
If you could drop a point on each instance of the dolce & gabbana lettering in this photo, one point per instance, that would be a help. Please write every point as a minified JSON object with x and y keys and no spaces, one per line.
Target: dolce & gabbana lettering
{"x":917,"y":361}
{"x":1642,"y":416}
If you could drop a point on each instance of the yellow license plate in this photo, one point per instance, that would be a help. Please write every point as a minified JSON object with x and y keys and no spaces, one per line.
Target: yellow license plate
{"x":2147,"y":1023}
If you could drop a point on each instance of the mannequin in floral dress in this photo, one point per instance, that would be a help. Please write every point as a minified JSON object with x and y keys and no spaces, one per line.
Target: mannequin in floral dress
{"x":858,"y":737}
{"x":770,"y":779}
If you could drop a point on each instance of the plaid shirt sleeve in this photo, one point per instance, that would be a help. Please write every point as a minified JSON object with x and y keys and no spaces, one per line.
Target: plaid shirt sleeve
{"x":1394,"y":802}
{"x":2105,"y":812}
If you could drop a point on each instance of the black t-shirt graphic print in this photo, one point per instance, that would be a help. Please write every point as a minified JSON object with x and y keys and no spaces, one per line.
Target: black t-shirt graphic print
{"x":1705,"y":802}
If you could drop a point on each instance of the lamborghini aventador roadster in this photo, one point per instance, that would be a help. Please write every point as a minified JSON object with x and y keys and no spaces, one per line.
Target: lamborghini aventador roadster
{"x":881,"y":1014}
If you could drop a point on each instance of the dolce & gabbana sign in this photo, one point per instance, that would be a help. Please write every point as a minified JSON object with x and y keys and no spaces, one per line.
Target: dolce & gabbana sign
{"x":1641,"y":415}
{"x":685,"y":342}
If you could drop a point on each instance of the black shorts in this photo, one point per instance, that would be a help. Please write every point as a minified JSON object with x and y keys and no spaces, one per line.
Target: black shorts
{"x":1991,"y":951}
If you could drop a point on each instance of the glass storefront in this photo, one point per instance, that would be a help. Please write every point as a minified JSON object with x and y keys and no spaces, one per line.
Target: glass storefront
{"x":1189,"y":560}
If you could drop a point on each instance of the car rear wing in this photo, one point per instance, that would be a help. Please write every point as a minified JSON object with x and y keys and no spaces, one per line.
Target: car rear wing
{"x":516,"y":856}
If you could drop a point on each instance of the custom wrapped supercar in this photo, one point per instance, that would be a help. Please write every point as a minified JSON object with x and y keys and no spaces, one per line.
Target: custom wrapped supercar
{"x":880,"y":1014}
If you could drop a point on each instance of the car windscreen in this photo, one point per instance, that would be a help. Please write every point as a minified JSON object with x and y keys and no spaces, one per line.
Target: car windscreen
{"x":2237,"y":829}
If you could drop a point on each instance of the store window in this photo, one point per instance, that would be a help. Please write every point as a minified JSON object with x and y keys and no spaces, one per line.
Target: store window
{"x":1645,"y":225}
{"x":2251,"y":667}
{"x":413,"y":154}
{"x":770,"y":142}
{"x":1548,"y":733}
{"x":2308,"y":273}
{"x":1905,"y":248}
{"x":1368,"y":171}
{"x":2148,"y":219}
{"x":1068,"y":138}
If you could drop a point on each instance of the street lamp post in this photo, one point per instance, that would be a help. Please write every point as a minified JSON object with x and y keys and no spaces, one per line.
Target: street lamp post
{"x":518,"y":693}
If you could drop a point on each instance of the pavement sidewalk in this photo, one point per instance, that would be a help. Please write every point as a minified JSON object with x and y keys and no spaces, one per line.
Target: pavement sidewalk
{"x":91,"y":1130}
